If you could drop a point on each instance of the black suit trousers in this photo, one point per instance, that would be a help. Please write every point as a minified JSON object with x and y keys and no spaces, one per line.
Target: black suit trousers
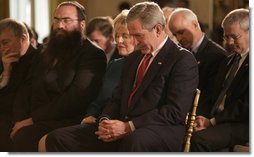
{"x":6,"y":125}
{"x":82,"y":138}
{"x":26,"y":139}
{"x":220,"y":136}
{"x":78,"y":138}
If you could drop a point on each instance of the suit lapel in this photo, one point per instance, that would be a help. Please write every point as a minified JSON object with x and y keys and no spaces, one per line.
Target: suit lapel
{"x":130,"y":76}
{"x":199,"y":55}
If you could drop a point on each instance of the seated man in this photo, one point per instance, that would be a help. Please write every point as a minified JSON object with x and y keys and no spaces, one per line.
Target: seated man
{"x":125,"y":46}
{"x":148,"y":109}
{"x":15,"y":62}
{"x":228,"y":123}
{"x":65,"y":78}
{"x":185,"y":26}
{"x":100,"y":31}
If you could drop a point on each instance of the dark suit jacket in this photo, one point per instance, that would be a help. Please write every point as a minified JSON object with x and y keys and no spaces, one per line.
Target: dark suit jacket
{"x":236,"y":108}
{"x":209,"y":57}
{"x":164,"y":97}
{"x":115,"y":55}
{"x":110,"y":81}
{"x":59,"y":96}
{"x":19,"y":72}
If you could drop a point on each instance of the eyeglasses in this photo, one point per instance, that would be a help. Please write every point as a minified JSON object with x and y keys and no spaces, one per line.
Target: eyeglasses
{"x":64,"y":21}
{"x":232,"y":37}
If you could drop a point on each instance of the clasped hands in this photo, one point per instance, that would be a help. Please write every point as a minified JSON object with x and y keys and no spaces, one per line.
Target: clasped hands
{"x":201,"y":123}
{"x":112,"y":130}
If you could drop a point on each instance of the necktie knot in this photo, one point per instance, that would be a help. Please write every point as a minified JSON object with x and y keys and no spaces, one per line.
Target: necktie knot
{"x":237,"y":57}
{"x":147,"y":57}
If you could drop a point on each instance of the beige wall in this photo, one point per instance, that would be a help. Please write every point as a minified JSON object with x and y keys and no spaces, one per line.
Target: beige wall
{"x":110,"y":8}
{"x":104,"y":7}
{"x":204,"y":10}
{"x":209,"y":12}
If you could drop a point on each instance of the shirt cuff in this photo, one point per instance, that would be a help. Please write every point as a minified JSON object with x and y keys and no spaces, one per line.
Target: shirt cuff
{"x":131,"y":126}
{"x":103,"y":118}
{"x":4,"y":80}
{"x":213,"y":121}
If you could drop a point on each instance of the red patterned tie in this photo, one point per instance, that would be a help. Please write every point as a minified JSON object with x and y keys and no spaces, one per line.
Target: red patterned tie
{"x":139,"y":77}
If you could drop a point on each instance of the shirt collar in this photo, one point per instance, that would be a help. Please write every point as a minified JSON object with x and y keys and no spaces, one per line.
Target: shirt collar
{"x":245,"y":54}
{"x":195,"y":47}
{"x":155,"y":52}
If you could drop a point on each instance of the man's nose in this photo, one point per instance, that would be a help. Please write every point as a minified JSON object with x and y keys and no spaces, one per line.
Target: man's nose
{"x":230,"y":42}
{"x":60,"y":24}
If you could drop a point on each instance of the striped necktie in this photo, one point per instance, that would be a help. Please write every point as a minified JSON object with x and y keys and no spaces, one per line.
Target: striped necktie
{"x":227,"y":82}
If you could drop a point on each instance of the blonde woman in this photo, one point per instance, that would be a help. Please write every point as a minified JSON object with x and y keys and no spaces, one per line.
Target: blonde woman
{"x":125,"y":46}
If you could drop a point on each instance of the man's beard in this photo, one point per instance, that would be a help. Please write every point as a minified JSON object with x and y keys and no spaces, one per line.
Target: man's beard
{"x":61,"y":45}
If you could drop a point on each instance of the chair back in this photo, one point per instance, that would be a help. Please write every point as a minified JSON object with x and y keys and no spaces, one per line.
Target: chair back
{"x":190,"y":118}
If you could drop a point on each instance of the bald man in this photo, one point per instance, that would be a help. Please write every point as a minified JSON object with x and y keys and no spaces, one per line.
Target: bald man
{"x":185,"y":27}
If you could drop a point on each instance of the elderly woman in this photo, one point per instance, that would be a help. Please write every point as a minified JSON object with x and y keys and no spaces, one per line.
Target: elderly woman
{"x":125,"y":46}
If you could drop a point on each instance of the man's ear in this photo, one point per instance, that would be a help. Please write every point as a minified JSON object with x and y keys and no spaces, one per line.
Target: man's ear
{"x":25,"y":37}
{"x":158,"y":28}
{"x":195,"y":24}
{"x":83,"y":25}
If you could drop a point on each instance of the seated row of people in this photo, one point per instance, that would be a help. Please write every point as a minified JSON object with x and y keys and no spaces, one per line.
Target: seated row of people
{"x":67,"y":136}
{"x":153,"y":84}
{"x":62,"y":78}
{"x":149,"y":105}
